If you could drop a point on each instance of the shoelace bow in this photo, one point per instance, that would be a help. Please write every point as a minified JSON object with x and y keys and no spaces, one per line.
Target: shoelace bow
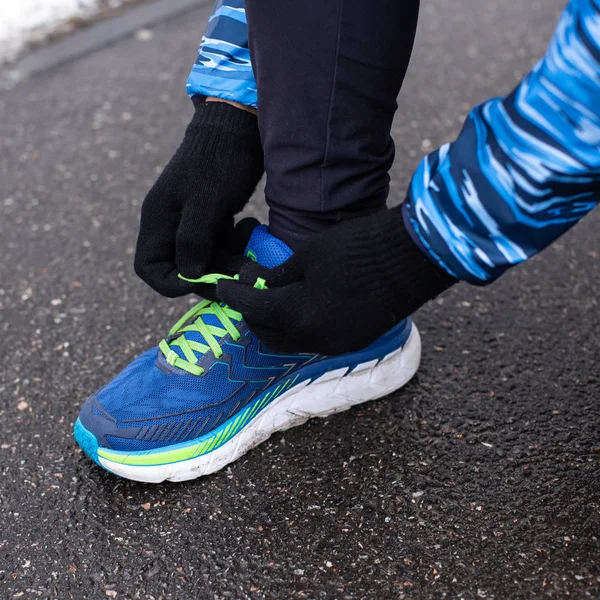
{"x":211,"y":333}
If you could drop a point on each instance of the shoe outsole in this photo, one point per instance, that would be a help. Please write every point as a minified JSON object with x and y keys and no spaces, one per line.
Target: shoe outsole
{"x":333,"y":392}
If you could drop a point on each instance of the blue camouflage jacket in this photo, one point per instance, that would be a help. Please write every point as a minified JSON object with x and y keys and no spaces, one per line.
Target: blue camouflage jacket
{"x":524,"y":169}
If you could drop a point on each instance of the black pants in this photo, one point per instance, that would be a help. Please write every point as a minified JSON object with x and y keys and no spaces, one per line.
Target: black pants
{"x":328,"y":74}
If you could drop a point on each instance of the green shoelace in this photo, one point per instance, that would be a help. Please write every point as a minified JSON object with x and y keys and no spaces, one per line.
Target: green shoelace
{"x":193,"y":321}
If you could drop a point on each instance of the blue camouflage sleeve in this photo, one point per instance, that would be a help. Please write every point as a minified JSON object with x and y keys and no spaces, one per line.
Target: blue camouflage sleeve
{"x":524,"y":169}
{"x":223,"y":68}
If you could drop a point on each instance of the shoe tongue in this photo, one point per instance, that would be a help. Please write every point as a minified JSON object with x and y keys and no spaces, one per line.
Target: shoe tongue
{"x":266,"y":249}
{"x":263,"y":248}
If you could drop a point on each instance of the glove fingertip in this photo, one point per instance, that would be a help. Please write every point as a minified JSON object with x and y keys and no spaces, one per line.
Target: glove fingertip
{"x":254,"y":304}
{"x":252,"y":271}
{"x":227,"y":291}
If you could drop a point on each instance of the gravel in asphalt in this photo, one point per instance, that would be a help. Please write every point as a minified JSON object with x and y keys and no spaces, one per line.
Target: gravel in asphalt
{"x":478,"y":480}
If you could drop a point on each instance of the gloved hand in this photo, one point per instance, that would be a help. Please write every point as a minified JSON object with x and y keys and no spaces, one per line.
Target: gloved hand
{"x":187,"y":217}
{"x":341,"y":290}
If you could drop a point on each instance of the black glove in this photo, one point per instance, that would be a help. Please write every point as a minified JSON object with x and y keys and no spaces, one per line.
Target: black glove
{"x":341,"y":290}
{"x":187,"y":217}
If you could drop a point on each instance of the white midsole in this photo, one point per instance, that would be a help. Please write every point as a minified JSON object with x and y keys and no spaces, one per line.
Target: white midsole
{"x":331,"y":393}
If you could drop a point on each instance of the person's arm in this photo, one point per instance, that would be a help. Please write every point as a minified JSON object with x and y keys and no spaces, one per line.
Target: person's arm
{"x":223,"y":68}
{"x":523,"y":171}
{"x":188,"y":215}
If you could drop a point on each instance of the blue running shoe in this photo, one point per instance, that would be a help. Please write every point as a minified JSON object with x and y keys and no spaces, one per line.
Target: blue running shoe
{"x":211,"y":391}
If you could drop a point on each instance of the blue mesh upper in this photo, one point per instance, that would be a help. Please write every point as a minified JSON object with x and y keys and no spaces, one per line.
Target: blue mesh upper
{"x":268,"y":250}
{"x":151,"y":404}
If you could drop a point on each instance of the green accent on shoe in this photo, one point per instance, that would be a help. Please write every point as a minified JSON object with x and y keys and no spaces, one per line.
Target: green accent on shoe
{"x":211,"y":333}
{"x":210,"y":278}
{"x":211,"y":441}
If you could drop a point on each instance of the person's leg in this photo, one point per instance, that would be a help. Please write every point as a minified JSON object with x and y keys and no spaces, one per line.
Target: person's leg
{"x":328,"y":73}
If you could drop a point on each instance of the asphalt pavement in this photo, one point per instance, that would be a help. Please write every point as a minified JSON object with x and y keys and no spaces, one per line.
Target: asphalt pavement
{"x":478,"y":480}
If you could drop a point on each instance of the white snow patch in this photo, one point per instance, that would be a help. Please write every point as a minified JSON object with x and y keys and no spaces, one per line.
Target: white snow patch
{"x":25,"y":21}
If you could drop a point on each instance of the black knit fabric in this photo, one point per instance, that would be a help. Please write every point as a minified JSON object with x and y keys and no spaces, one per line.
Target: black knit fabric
{"x":341,"y":290}
{"x":187,"y":217}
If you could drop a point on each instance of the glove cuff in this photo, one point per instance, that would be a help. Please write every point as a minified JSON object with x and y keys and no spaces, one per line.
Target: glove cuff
{"x":223,"y":117}
{"x":400,"y":273}
{"x":198,"y":99}
{"x":417,"y":262}
{"x":228,"y":135}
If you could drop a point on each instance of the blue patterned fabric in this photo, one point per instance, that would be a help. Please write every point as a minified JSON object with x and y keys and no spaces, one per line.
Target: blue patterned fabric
{"x":524,"y":169}
{"x":223,"y":68}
